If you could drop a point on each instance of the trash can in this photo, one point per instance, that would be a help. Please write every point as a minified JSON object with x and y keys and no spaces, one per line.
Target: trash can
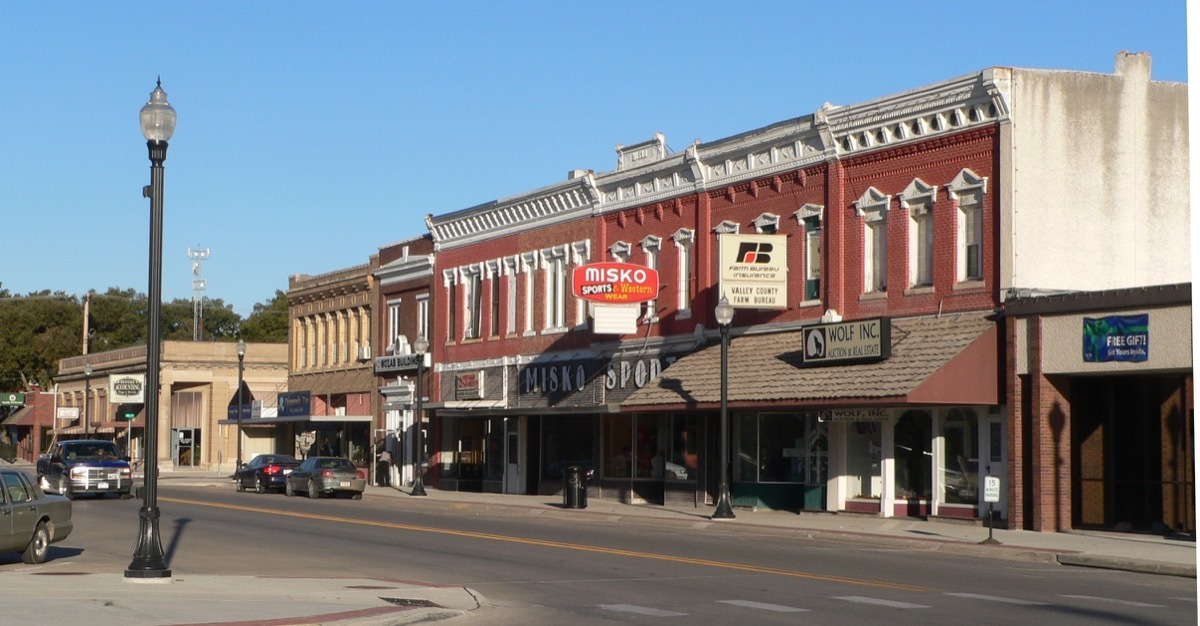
{"x":574,"y":488}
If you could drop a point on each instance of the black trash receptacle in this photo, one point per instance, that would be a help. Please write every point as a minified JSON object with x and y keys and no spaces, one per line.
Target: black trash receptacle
{"x":574,"y":488}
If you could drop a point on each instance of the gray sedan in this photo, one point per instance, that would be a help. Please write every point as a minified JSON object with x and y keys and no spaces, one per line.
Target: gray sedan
{"x":30,"y":520}
{"x":326,"y":475}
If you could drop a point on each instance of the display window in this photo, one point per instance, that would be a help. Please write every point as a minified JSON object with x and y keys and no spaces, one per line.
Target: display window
{"x":864,"y":452}
{"x":781,"y":448}
{"x":960,"y":457}
{"x":650,"y":446}
{"x":914,"y":459}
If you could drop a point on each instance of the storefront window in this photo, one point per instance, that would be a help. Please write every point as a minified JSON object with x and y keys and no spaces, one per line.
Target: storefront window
{"x":863,"y":451}
{"x":780,"y":447}
{"x":913,"y":432}
{"x":479,"y":448}
{"x":960,"y":459}
{"x":618,"y":446}
{"x":650,"y":446}
{"x":566,"y":442}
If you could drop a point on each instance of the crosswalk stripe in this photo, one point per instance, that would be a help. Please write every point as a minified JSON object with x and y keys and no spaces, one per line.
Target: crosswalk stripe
{"x":881,"y":602}
{"x":977,"y":596}
{"x":640,"y":610}
{"x":778,"y":608}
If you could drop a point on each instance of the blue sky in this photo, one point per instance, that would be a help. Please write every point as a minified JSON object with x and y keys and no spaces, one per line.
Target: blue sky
{"x":312,"y":133}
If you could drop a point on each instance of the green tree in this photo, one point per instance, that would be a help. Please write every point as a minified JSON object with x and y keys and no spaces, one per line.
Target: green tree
{"x":268,"y":323}
{"x":36,"y":331}
{"x":117,"y":319}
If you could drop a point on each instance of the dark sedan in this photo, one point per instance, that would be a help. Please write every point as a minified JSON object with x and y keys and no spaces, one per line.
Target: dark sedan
{"x":30,"y":520}
{"x":265,"y":472}
{"x":326,"y":475}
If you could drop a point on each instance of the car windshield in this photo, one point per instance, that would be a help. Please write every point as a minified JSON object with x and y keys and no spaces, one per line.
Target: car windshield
{"x":93,"y":451}
{"x":336,"y":464}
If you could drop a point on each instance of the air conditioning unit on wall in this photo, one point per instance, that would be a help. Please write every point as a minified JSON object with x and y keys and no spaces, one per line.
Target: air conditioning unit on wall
{"x":364,"y":352}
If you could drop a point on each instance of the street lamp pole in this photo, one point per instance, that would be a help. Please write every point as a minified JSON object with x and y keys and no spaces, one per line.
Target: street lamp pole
{"x":87,"y":398}
{"x":724,"y":314}
{"x":158,"y":124}
{"x":241,"y":352}
{"x":420,"y":347}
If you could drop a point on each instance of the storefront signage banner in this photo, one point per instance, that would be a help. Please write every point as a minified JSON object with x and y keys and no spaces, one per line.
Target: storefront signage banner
{"x":1116,"y":338}
{"x":614,"y":283}
{"x":129,"y":388}
{"x":295,"y":404}
{"x":12,"y":399}
{"x":754,"y":271}
{"x":862,"y":341}
{"x":468,"y":385}
{"x":856,"y":415}
{"x":399,"y":363}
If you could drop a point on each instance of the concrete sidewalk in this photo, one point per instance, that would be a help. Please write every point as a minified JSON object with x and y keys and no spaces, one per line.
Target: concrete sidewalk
{"x":32,"y":593}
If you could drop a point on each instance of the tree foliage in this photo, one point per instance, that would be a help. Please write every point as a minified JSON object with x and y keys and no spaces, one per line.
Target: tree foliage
{"x":268,"y":322}
{"x":41,"y":328}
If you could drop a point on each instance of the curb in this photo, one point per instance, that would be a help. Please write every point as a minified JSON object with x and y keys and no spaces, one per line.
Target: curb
{"x":1128,"y":565}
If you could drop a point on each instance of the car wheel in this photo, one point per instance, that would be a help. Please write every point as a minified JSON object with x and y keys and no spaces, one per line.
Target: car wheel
{"x":240,"y":487}
{"x":64,"y":489}
{"x":39,"y":546}
{"x":357,"y":496}
{"x":289,"y":489}
{"x":259,"y":486}
{"x":312,"y":490}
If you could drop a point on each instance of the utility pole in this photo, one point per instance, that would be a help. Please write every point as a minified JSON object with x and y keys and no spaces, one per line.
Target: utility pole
{"x":87,"y":303}
{"x":198,"y":255}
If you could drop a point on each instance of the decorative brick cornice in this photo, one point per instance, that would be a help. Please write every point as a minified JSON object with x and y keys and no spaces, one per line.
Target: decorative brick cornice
{"x":548,"y":205}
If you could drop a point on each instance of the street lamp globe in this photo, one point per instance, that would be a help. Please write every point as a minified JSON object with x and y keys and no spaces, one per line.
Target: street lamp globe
{"x":724,"y":312}
{"x":158,"y":116}
{"x":241,"y":348}
{"x":421,"y":345}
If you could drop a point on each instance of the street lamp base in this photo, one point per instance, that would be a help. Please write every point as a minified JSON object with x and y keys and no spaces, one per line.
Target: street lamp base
{"x":724,"y":508}
{"x":418,"y":489}
{"x":148,"y":560}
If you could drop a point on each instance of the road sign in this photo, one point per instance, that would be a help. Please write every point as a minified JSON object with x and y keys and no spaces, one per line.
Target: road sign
{"x":991,"y":488}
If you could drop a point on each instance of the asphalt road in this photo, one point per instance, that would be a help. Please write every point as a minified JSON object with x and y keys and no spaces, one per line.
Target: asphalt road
{"x":555,"y":567}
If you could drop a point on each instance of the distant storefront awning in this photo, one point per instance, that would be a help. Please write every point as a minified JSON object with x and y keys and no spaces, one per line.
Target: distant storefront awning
{"x":952,"y":359}
{"x":271,"y":421}
{"x":23,"y":416}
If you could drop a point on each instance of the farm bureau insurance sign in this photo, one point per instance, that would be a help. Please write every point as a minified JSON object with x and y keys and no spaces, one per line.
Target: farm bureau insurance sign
{"x":614,"y":283}
{"x":754,"y":271}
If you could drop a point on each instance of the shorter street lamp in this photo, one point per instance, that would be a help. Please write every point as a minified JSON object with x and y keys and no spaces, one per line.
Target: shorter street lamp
{"x":724,"y":314}
{"x":241,"y":352}
{"x":87,"y":397}
{"x":420,"y":347}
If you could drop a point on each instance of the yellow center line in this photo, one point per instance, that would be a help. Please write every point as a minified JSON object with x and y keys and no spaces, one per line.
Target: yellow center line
{"x":561,"y":545}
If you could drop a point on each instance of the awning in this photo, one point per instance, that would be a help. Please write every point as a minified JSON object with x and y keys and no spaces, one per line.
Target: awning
{"x":952,"y":359}
{"x":23,"y":416}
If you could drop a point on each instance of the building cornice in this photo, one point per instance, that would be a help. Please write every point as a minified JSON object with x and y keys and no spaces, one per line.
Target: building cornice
{"x":557,"y":203}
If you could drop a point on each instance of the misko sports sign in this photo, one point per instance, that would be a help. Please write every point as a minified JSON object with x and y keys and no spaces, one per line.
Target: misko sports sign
{"x":614,"y":283}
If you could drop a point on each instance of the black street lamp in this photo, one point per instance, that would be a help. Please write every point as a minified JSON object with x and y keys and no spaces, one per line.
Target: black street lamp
{"x":87,"y":397}
{"x":241,"y":352}
{"x":420,"y":347}
{"x":158,"y":124}
{"x":724,"y":314}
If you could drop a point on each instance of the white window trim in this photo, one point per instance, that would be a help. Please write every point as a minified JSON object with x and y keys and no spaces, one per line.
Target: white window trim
{"x":652,"y":247}
{"x":967,"y":182}
{"x":621,"y":251}
{"x":554,"y":319}
{"x":765,"y":221}
{"x":727,"y":228}
{"x":529,"y":263}
{"x":471,"y":277}
{"x":685,"y":240}
{"x":423,"y":315}
{"x":510,"y":310}
{"x":872,"y":206}
{"x":581,"y":253}
{"x":919,"y":199}
{"x":806,"y":213}
{"x":393,"y":324}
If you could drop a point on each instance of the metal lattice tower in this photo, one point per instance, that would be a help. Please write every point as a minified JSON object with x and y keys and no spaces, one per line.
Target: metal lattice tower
{"x":198,"y":255}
